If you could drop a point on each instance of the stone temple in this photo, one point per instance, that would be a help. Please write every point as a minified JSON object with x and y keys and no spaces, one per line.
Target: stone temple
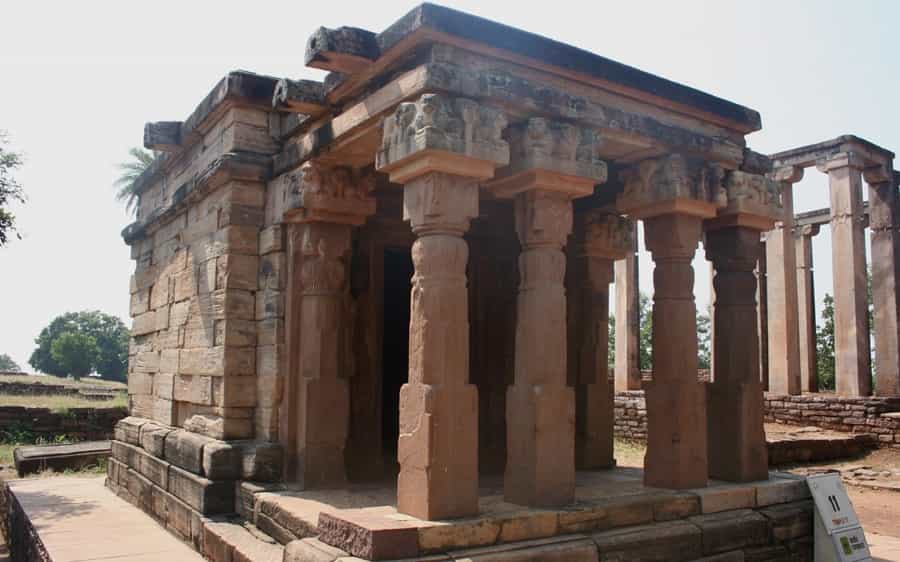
{"x":370,"y":313}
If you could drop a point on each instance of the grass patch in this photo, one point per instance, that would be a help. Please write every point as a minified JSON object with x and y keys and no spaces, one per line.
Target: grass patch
{"x":61,"y":404}
{"x":47,"y":379}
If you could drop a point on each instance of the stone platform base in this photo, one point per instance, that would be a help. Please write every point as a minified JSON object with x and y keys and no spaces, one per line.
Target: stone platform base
{"x":181,"y":478}
{"x":615,"y":518}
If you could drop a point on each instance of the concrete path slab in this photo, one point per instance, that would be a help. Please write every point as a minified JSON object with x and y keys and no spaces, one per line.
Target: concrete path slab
{"x":883,"y":548}
{"x":79,"y":519}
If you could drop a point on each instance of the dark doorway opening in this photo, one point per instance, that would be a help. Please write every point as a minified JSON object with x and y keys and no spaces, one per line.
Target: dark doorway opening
{"x":398,"y":272}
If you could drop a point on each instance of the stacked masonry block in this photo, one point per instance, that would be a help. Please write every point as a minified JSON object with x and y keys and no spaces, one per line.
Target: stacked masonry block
{"x":193,"y":356}
{"x":180,"y":477}
{"x":205,"y":358}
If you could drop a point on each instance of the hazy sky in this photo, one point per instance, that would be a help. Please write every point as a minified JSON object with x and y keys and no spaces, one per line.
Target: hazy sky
{"x":78,"y":80}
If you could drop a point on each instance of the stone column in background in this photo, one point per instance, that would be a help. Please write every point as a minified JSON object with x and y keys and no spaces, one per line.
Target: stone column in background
{"x":324,"y":204}
{"x":806,"y":307}
{"x":848,"y":244}
{"x":628,"y":321}
{"x":737,"y":441}
{"x":762,"y":313}
{"x":551,"y":163}
{"x":781,"y":293}
{"x":601,"y":238}
{"x":673,"y":195}
{"x":885,"y":234}
{"x":439,"y":148}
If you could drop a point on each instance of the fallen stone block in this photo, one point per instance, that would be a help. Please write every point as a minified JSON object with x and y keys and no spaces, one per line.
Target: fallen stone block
{"x":37,"y":458}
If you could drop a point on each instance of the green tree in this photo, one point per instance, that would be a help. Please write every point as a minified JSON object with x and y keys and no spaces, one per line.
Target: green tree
{"x":825,"y":345}
{"x":10,"y":190}
{"x":703,"y":341}
{"x":7,"y":364}
{"x":611,"y":341}
{"x":130,"y":171}
{"x":645,"y":334}
{"x":109,"y":334}
{"x":76,"y":353}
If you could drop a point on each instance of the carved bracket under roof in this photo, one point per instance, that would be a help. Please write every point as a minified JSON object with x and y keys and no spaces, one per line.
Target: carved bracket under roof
{"x":550,"y":155}
{"x":672,"y":184}
{"x":754,"y":201}
{"x":439,"y":133}
{"x":325,"y":193}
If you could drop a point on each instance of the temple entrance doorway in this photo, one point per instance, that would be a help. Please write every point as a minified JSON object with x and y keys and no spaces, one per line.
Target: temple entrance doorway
{"x":398,"y":272}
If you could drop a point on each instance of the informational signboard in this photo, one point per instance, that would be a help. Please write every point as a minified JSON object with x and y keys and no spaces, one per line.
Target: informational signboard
{"x":838,"y":535}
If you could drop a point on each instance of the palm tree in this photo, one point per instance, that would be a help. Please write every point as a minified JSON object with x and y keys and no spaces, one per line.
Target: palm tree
{"x":131,"y":171}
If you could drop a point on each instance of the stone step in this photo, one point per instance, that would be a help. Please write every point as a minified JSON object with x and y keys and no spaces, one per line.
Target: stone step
{"x":31,"y":459}
{"x":233,"y":540}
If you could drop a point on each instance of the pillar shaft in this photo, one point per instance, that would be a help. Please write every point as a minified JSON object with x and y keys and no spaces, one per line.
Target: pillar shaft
{"x":781,"y":292}
{"x":438,"y":445}
{"x":806,"y":309}
{"x":676,"y":401}
{"x":320,"y":389}
{"x":737,"y":441}
{"x":885,"y":236}
{"x":540,"y":467}
{"x":627,"y":368}
{"x":848,"y":243}
{"x":594,"y":408}
{"x":762,"y":316}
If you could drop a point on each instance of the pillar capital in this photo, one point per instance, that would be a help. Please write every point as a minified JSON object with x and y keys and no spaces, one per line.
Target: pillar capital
{"x":841,"y":160}
{"x":543,"y":219}
{"x":753,"y":201}
{"x":672,"y":184}
{"x":603,"y":234}
{"x":806,"y":230}
{"x":881,"y":173}
{"x":672,"y":236}
{"x":321,"y":192}
{"x":789,"y":174}
{"x":732,"y":251}
{"x":439,"y":133}
{"x":550,"y":156}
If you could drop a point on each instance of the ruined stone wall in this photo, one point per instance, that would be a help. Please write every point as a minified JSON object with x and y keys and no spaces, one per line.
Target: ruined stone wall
{"x":193,"y":355}
{"x":877,"y":416}
{"x":74,"y":423}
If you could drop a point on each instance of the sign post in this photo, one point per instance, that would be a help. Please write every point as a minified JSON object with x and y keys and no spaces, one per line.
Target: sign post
{"x":838,"y":535}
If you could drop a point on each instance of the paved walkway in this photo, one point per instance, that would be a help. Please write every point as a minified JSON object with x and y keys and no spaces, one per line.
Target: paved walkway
{"x":79,"y":519}
{"x":883,"y":547}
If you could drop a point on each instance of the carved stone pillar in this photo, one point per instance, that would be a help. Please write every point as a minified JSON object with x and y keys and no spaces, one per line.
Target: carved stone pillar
{"x":735,"y":409}
{"x":324,"y":203}
{"x":673,"y":195}
{"x":885,"y":235}
{"x":781,"y":293}
{"x":848,"y":244}
{"x":551,"y":163}
{"x":600,"y":239}
{"x":806,"y":307}
{"x":628,"y":321}
{"x":439,"y":148}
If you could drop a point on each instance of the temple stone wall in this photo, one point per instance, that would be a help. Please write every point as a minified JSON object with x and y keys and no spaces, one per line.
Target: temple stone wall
{"x":878,"y":416}
{"x":205,"y":292}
